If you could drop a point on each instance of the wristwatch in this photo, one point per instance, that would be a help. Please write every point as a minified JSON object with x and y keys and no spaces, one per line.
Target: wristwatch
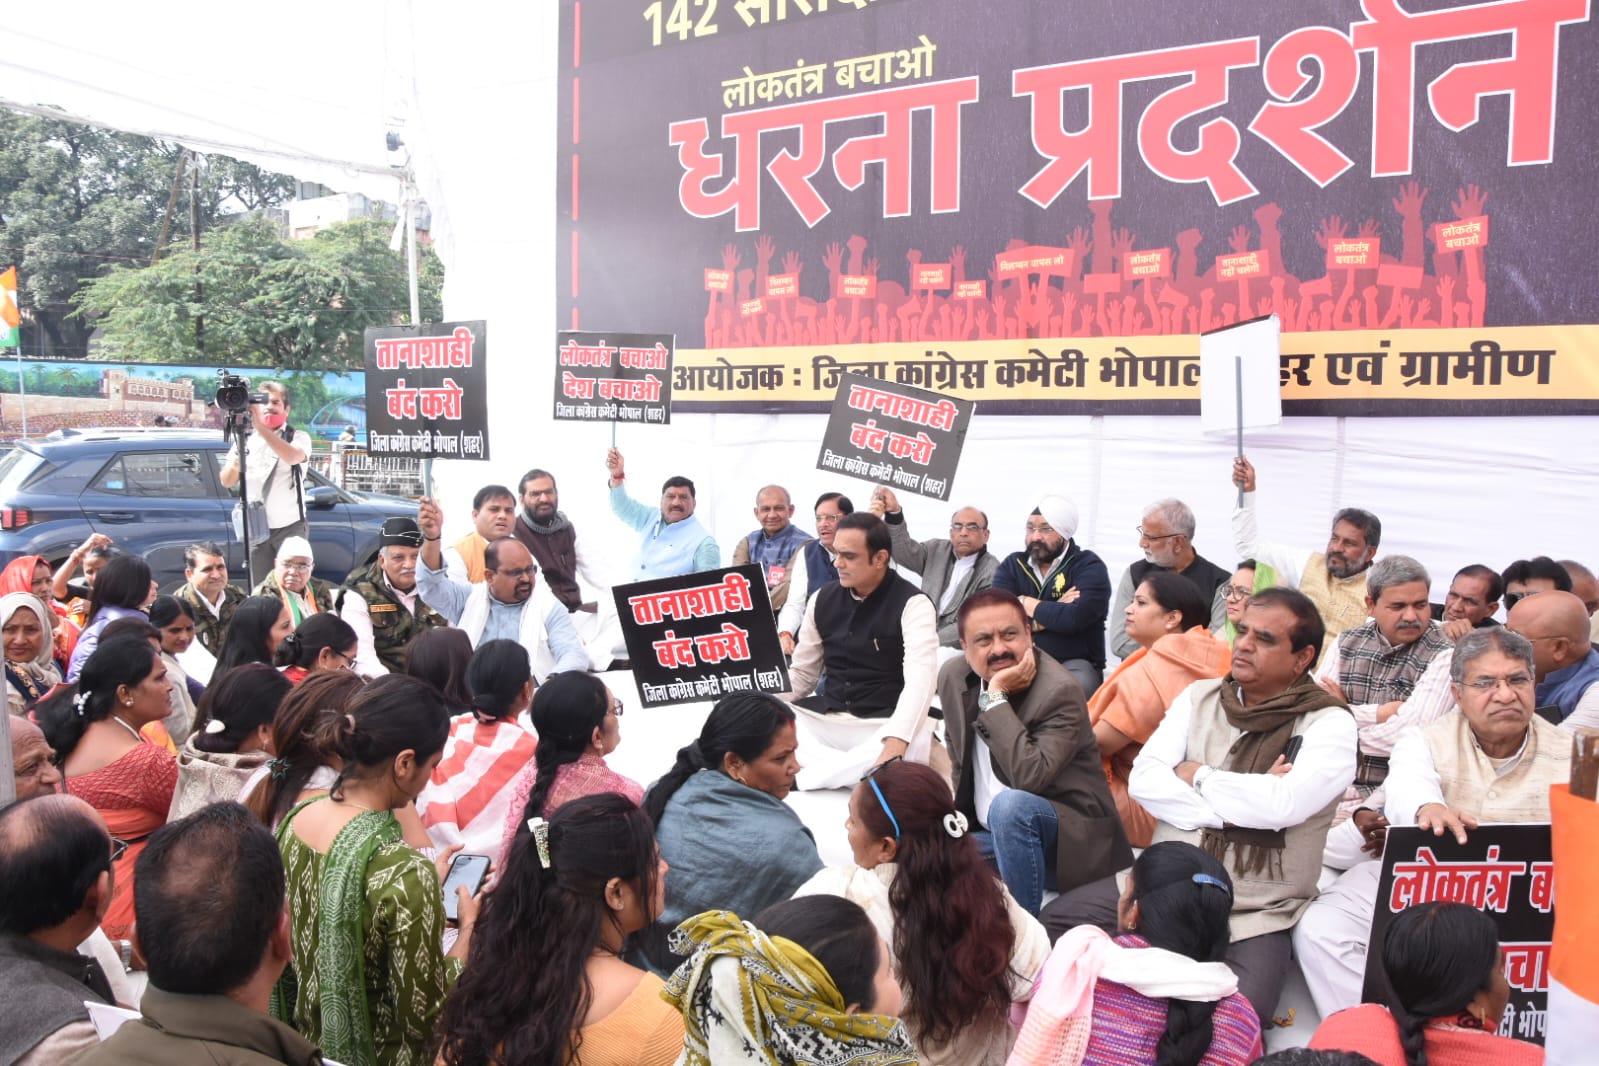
{"x":1201,"y":774}
{"x":990,"y":698}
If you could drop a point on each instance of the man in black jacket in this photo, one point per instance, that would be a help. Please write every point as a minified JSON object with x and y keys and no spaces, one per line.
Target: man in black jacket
{"x":1064,"y":588}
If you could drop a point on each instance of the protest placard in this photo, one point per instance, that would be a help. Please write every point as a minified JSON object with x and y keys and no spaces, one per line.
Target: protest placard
{"x":613,"y":377}
{"x":895,"y":435}
{"x":1505,"y":871}
{"x":427,"y":390}
{"x":701,"y":636}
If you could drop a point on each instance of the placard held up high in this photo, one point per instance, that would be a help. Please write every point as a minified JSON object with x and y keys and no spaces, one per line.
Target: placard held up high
{"x":895,"y":435}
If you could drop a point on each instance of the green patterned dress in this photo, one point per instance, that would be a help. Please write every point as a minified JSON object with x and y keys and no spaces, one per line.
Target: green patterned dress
{"x":399,"y":958}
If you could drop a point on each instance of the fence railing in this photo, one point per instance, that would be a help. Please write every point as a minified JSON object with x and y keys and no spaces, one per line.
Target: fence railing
{"x":355,"y":468}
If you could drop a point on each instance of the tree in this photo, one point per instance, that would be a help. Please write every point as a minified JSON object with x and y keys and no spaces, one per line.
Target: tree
{"x":76,"y":201}
{"x":250,"y":298}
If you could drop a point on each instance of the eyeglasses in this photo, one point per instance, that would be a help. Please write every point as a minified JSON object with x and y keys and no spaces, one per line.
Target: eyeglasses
{"x":119,"y":848}
{"x":828,"y":519}
{"x":870,"y":777}
{"x":1513,"y":598}
{"x":966,"y":527}
{"x":1042,"y":527}
{"x":1153,"y":536}
{"x":1237,"y":592}
{"x":298,"y":568}
{"x":349,"y":660}
{"x":616,"y":706}
{"x":519,"y":573}
{"x":1489,"y":684}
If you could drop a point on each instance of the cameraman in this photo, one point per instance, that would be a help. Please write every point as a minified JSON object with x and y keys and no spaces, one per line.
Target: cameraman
{"x":274,"y":474}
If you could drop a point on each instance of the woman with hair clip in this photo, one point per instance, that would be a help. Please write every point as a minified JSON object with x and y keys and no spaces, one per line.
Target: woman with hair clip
{"x":323,"y":642}
{"x":440,"y":656}
{"x":30,"y":664}
{"x":1446,"y":993}
{"x":121,"y":589}
{"x":729,"y":840}
{"x":94,"y":727}
{"x":1159,"y":992}
{"x":547,"y":985}
{"x":1168,"y":618}
{"x":259,"y":625}
{"x":808,"y":981}
{"x":470,"y":794}
{"x":367,"y":916}
{"x":964,"y":950}
{"x":232,"y":737}
{"x":578,"y":722}
{"x":302,"y":765}
{"x":174,"y":619}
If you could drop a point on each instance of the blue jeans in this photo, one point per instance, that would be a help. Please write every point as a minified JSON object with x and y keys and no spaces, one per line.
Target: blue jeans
{"x":1021,"y":842}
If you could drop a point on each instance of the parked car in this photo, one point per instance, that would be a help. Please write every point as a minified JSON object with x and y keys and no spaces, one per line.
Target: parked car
{"x":156,"y":491}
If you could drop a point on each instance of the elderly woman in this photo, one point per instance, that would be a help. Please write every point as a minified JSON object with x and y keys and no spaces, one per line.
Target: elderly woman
{"x":1167,"y":618}
{"x":291,"y":582}
{"x":25,"y":632}
{"x":1492,"y":762}
{"x":32,"y":573}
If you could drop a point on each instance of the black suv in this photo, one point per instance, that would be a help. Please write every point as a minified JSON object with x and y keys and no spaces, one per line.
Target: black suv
{"x":156,"y":491}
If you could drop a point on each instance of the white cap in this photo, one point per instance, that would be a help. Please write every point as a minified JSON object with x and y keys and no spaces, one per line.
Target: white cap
{"x":294,"y":548}
{"x":1060,"y":513}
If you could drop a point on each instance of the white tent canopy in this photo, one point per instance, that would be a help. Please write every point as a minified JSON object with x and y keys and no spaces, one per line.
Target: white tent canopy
{"x":312,"y":89}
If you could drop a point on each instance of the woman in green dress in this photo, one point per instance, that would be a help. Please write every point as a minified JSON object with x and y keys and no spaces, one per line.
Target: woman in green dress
{"x":370,"y":972}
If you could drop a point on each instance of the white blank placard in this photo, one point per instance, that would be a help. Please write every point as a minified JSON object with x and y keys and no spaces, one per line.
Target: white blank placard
{"x":1253,"y":346}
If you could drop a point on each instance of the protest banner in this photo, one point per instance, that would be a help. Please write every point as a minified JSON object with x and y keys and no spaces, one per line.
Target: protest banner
{"x":820,"y":188}
{"x":895,"y":435}
{"x":701,"y":636}
{"x":427,"y":390}
{"x":1505,"y":871}
{"x":613,"y":377}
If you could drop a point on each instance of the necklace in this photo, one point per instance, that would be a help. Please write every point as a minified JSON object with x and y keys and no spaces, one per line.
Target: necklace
{"x":128,"y":727}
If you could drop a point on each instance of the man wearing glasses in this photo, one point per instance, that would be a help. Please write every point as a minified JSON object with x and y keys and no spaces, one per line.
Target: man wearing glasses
{"x":1493,"y":762}
{"x":382,"y":604}
{"x":951,"y":570}
{"x":1064,"y":588}
{"x":510,"y":603}
{"x":291,"y":582}
{"x":1166,"y":537}
{"x":54,"y":887}
{"x":813,"y":567}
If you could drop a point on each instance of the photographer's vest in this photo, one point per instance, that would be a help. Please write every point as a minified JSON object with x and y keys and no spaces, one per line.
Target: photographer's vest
{"x":863,"y":646}
{"x":1471,"y":785}
{"x":1263,"y":902}
{"x":393,"y":626}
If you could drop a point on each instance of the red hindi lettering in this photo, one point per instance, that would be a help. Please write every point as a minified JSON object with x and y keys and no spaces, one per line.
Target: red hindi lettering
{"x":1527,"y":965}
{"x":918,"y":449}
{"x":402,"y":401}
{"x":1528,"y":75}
{"x":443,"y":401}
{"x":1289,"y":125}
{"x":867,"y":436}
{"x":672,"y":651}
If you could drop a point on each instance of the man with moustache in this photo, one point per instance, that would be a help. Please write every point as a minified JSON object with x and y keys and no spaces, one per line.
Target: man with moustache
{"x":1472,"y":600}
{"x":493,"y":517}
{"x":868,"y":648}
{"x":382,"y":605}
{"x":773,"y":546}
{"x":549,"y":534}
{"x":673,"y":541}
{"x":509,"y":604}
{"x":209,"y":592}
{"x":1064,"y":588}
{"x":1166,"y":537}
{"x":1388,"y":669}
{"x":1334,"y":579}
{"x":1026,"y":768}
{"x":951,"y":570}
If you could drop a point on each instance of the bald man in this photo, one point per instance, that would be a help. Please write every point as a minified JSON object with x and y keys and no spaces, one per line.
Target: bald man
{"x":32,"y":760}
{"x":774,"y":545}
{"x":1586,"y":588}
{"x":1565,"y":659}
{"x":55,"y":886}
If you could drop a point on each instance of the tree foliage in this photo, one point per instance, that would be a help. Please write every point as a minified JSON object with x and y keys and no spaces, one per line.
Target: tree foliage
{"x":249,"y":297}
{"x":76,"y":202}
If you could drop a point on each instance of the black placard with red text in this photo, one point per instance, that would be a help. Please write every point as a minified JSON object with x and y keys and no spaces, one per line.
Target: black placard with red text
{"x":894,"y":435}
{"x":427,"y":390}
{"x":613,"y":377}
{"x":1506,"y":871}
{"x":701,"y":636}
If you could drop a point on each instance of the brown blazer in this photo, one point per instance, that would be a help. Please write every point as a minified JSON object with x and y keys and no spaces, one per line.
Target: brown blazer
{"x":1040,"y":742}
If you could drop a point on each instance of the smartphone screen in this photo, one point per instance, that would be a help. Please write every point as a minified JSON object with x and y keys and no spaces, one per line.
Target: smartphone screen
{"x":468,"y":870}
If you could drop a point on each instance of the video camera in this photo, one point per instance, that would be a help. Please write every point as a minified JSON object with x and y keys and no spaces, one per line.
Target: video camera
{"x":234,"y":395}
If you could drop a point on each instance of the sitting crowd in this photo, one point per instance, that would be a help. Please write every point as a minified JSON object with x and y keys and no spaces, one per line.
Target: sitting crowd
{"x":376,"y":822}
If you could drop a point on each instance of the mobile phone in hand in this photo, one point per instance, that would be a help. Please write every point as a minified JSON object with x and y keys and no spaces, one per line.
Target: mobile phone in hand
{"x":1291,"y":752}
{"x":468,"y":870}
